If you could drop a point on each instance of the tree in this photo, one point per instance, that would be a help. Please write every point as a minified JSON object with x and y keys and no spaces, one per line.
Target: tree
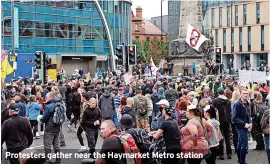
{"x":155,"y":48}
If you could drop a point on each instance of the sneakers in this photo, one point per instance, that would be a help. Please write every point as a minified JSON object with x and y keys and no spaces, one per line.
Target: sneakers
{"x":82,"y":149}
{"x":42,"y":133}
{"x":69,"y":127}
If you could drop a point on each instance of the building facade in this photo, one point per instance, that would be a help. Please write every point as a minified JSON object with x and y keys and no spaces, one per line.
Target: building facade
{"x":143,"y":29}
{"x":74,"y":34}
{"x":241,"y":29}
{"x":173,"y":21}
{"x":157,"y":22}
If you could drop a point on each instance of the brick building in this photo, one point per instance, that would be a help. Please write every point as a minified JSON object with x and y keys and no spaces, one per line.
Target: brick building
{"x":143,"y":29}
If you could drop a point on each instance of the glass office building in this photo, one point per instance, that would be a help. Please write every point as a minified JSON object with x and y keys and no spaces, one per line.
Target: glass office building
{"x":68,"y":28}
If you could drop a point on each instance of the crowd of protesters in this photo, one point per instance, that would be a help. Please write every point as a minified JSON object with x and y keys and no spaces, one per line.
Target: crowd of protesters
{"x":194,"y":114}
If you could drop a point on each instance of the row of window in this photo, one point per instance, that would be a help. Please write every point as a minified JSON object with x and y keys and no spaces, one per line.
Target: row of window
{"x":240,"y":39}
{"x":236,"y":15}
{"x":107,"y":6}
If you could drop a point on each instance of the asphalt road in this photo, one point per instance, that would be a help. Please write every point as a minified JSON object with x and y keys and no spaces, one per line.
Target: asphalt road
{"x":72,"y":146}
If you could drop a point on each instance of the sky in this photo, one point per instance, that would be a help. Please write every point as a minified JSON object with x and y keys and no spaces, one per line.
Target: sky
{"x":151,"y":8}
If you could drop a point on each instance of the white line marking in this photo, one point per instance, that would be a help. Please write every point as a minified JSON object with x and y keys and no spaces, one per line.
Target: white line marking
{"x":35,"y":146}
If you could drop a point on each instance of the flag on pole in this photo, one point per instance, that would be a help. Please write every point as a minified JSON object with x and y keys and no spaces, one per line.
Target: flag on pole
{"x":154,"y":69}
{"x":194,"y":38}
{"x":6,"y":68}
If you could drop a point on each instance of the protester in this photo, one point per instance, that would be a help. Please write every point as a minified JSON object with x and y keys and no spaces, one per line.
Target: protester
{"x":241,"y":119}
{"x":16,"y":132}
{"x":32,"y":111}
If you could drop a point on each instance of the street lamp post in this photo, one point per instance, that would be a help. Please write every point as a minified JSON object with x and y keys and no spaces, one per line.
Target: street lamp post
{"x":161,"y":34}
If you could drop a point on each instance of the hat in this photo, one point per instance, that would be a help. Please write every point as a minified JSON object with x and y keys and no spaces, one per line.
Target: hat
{"x":220,"y":90}
{"x":206,"y":108}
{"x":126,"y":121}
{"x":163,"y":102}
{"x":139,"y":87}
{"x":14,"y":107}
{"x":190,"y":107}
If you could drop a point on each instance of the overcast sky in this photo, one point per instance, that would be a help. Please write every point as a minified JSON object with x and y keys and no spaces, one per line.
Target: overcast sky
{"x":151,"y":8}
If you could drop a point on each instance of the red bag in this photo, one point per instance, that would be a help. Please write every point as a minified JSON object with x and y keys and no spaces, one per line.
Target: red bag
{"x":130,"y":147}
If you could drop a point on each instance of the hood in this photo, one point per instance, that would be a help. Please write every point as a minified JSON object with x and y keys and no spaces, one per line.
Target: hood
{"x":58,"y":97}
{"x":161,"y":90}
{"x":51,"y":101}
{"x":155,"y":95}
{"x":107,"y":95}
{"x":215,"y":123}
{"x":220,"y":99}
{"x":126,"y":110}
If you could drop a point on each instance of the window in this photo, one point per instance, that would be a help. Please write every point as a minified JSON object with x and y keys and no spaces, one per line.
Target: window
{"x":213,"y":17}
{"x":258,"y":12}
{"x":232,"y":40}
{"x":136,"y":27}
{"x":236,"y":15}
{"x":245,"y":14}
{"x":216,"y":41}
{"x":249,"y":38}
{"x":262,"y":37}
{"x":240,"y":39}
{"x":224,"y":40}
{"x":155,"y":22}
{"x":137,"y":37}
{"x":220,"y":16}
{"x":228,"y":16}
{"x":148,"y":38}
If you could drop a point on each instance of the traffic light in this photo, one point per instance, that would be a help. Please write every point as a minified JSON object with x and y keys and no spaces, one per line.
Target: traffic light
{"x":218,"y":55}
{"x":132,"y":55}
{"x":38,"y":59}
{"x":120,"y":55}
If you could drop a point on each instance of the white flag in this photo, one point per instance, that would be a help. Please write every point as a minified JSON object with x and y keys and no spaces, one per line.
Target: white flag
{"x":194,"y":38}
{"x":154,"y":69}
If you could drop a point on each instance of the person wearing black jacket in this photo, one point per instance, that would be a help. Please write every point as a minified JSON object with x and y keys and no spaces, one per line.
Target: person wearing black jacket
{"x":223,"y":106}
{"x":75,"y":99}
{"x":128,"y":109}
{"x":90,"y":123}
{"x":16,"y":133}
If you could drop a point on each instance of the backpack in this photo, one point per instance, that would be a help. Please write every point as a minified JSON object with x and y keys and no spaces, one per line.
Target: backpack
{"x":59,"y":114}
{"x":165,"y":66}
{"x":265,"y":122}
{"x":129,"y":146}
{"x":142,"y":105}
{"x":142,"y":139}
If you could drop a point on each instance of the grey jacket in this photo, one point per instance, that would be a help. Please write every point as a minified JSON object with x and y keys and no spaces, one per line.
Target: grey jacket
{"x":213,"y":141}
{"x":106,"y":106}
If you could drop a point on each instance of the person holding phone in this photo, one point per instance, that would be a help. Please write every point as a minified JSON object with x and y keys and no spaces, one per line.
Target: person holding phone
{"x":91,"y":120}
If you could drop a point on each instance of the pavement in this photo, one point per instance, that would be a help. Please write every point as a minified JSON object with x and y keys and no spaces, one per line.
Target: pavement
{"x":72,"y":146}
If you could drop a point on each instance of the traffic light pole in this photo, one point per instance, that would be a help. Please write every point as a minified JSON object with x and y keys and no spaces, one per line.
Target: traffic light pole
{"x":126,"y":56}
{"x":43,"y":67}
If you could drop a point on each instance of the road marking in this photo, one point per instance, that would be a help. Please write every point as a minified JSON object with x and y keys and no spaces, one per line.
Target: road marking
{"x":36,"y":146}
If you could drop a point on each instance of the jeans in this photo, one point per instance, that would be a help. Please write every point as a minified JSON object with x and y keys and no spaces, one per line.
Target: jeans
{"x":242,"y":146}
{"x":34,"y":126}
{"x":49,"y":140}
{"x":79,"y":135}
{"x":212,"y":158}
{"x":225,"y":130}
{"x":185,"y":72}
{"x":92,"y":136}
{"x":267,"y":147}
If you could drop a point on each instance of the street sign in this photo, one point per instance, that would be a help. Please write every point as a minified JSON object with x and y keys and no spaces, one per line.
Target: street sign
{"x":13,"y":58}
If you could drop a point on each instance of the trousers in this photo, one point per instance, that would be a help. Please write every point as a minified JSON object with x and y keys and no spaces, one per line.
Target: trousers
{"x":242,"y":146}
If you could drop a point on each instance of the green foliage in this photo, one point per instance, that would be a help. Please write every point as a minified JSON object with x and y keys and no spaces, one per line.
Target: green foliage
{"x":155,"y":48}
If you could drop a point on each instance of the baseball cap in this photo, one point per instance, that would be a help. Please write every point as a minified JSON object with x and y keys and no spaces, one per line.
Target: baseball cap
{"x":220,"y":90}
{"x":206,"y":108}
{"x":163,"y":102}
{"x":14,"y":107}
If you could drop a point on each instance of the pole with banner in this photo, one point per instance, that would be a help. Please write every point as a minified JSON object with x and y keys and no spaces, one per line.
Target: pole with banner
{"x":15,"y":35}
